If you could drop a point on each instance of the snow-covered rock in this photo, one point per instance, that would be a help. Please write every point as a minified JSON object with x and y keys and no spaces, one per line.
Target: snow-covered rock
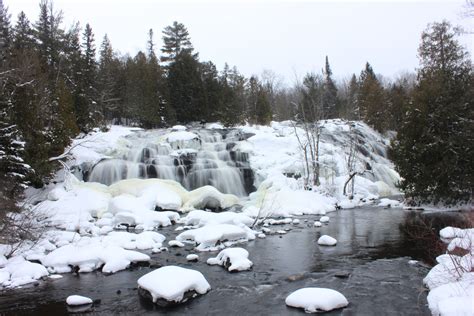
{"x":19,"y":271}
{"x":314,"y":300}
{"x":233,"y":259}
{"x":89,"y":256}
{"x":324,"y":219}
{"x":326,"y":240}
{"x":317,"y":224}
{"x":192,"y":257}
{"x":209,"y":197}
{"x":175,"y":243}
{"x":75,"y":300}
{"x":172,"y":284}
{"x":215,"y":236}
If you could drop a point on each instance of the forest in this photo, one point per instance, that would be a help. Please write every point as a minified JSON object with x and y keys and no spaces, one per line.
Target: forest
{"x":57,"y":82}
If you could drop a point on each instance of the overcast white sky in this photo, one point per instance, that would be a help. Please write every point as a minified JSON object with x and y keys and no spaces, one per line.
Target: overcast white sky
{"x":288,"y":37}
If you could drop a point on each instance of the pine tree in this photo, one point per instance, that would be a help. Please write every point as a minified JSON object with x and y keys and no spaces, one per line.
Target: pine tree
{"x":5,"y":34}
{"x":233,"y":96}
{"x":263,"y":107}
{"x":352,"y":110}
{"x":311,"y":105}
{"x":372,"y":100}
{"x":23,"y":34}
{"x":92,"y":115}
{"x":433,"y":150}
{"x":107,"y":81}
{"x":176,"y":42}
{"x":329,"y":98}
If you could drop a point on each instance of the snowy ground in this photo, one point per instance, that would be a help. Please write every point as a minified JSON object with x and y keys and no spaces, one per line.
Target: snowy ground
{"x":85,"y":222}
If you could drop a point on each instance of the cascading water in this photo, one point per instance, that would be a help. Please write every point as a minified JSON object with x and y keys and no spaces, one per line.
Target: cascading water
{"x":194,"y":158}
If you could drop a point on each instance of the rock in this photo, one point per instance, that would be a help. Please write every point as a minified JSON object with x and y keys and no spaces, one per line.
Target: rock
{"x":324,"y":219}
{"x":326,"y":240}
{"x":314,"y":300}
{"x":76,"y":300}
{"x":172,"y":285}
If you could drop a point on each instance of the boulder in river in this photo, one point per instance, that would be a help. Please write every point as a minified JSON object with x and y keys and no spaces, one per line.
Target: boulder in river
{"x":172,"y":285}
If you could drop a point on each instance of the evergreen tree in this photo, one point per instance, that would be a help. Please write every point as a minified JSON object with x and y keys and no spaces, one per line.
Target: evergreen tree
{"x":5,"y":34}
{"x":433,"y":150}
{"x":352,"y":110}
{"x":329,"y":98}
{"x":213,"y":89}
{"x":92,"y":115}
{"x":372,"y":100}
{"x":108,"y":95}
{"x":176,"y":42}
{"x":263,"y":107}
{"x":311,"y":105}
{"x":233,"y":96}
{"x":186,"y":93}
{"x":23,"y":34}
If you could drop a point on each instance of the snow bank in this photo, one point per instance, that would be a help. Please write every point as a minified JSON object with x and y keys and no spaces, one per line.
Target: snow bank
{"x":233,"y":259}
{"x":18,"y":271}
{"x":75,"y":300}
{"x":314,"y":300}
{"x":170,"y":283}
{"x":389,"y":203}
{"x":215,"y":236}
{"x":451,"y":281}
{"x":89,"y":254}
{"x":280,"y":196}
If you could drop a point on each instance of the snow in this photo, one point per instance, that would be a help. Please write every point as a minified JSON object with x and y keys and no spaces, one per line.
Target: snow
{"x":201,"y":218}
{"x":175,"y":243}
{"x":99,"y":145}
{"x":89,"y":254}
{"x":75,"y":300}
{"x":214,"y":126}
{"x":280,"y":196}
{"x":326,"y":240}
{"x":316,"y":299}
{"x":451,"y":281}
{"x":172,"y":282}
{"x":236,"y":258}
{"x":181,"y":136}
{"x":19,"y":271}
{"x":324,"y":219}
{"x":317,"y":224}
{"x":455,"y":298}
{"x":178,"y":128}
{"x":208,"y":196}
{"x":389,"y":203}
{"x":212,"y":237}
{"x":80,"y":217}
{"x":192,"y":257}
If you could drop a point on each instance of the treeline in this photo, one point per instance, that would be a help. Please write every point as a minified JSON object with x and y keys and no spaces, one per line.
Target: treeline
{"x":57,"y":82}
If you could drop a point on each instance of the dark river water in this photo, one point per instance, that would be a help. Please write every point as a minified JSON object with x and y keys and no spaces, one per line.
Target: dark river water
{"x":369,"y":266}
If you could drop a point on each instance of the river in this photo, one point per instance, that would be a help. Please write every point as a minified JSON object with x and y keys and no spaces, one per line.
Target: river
{"x":369,"y":265}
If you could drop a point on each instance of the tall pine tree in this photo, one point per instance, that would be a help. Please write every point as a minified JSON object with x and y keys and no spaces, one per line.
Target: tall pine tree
{"x":434,"y":148}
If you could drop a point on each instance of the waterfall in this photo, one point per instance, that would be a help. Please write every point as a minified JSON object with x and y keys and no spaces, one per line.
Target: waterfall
{"x":194,"y":158}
